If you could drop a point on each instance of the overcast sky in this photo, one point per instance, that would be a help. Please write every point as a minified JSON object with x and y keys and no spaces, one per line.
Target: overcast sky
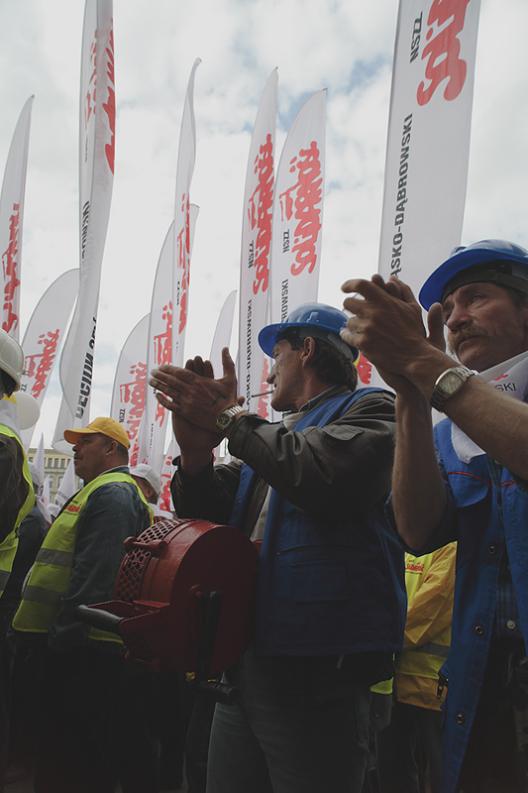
{"x":343,"y":45}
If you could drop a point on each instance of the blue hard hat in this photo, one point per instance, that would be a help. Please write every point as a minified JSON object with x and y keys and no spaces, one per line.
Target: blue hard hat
{"x":322,"y":322}
{"x":497,"y":261}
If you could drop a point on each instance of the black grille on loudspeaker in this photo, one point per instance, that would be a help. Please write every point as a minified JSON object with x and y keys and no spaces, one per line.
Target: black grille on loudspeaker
{"x":130,"y":578}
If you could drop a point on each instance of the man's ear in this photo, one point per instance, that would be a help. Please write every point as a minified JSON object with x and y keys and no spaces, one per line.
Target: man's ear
{"x":308,"y":350}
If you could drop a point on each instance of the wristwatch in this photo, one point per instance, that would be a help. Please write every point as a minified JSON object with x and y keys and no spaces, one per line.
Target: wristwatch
{"x":447,"y":385}
{"x":226,"y":418}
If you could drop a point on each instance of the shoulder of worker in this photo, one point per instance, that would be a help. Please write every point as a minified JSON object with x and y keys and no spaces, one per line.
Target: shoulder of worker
{"x":116,"y":494}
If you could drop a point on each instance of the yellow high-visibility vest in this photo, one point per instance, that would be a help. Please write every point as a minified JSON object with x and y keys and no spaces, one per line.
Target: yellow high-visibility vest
{"x":50,"y":576}
{"x":429,"y":581}
{"x":9,"y":545}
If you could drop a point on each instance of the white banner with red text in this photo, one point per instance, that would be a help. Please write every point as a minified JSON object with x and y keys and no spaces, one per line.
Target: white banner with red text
{"x":130,"y":382}
{"x":255,"y":258}
{"x":44,"y":336}
{"x":159,"y":350}
{"x":96,"y":174}
{"x":182,"y":221}
{"x":298,"y":211}
{"x":11,"y":221}
{"x":428,"y":137}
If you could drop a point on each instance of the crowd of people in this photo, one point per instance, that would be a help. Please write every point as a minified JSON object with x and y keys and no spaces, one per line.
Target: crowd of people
{"x":391,"y":609}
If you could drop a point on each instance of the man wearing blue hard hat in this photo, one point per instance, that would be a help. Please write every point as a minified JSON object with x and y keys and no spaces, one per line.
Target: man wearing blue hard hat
{"x":330,"y":603}
{"x":466,"y":480}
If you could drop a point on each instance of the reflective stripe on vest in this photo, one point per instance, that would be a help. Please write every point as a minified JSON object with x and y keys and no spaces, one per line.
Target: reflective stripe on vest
{"x":50,"y":576}
{"x":8,"y":546}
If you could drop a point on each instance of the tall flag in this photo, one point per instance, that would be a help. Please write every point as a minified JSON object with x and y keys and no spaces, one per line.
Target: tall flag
{"x":182,"y":221}
{"x":159,"y":349}
{"x":96,"y":174}
{"x":44,"y":336}
{"x":130,"y":382}
{"x":222,"y":334}
{"x":38,"y":465}
{"x":256,"y":250}
{"x":165,"y":506}
{"x":428,"y":137}
{"x":67,"y":488}
{"x":298,"y":211}
{"x":11,"y":220}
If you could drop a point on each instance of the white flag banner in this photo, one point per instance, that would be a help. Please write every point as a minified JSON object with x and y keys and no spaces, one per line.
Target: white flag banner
{"x":11,"y":221}
{"x":182,"y":221}
{"x":428,"y":138}
{"x":222,"y":334}
{"x":130,"y":382}
{"x":44,"y":335}
{"x":159,"y":350}
{"x":67,"y":488}
{"x":298,"y":211}
{"x":38,"y":466}
{"x":43,"y":500}
{"x":165,"y":505}
{"x":96,"y":174}
{"x":255,"y":259}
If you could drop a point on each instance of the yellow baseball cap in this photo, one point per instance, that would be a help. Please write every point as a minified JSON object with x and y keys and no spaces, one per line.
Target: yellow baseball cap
{"x":102,"y":425}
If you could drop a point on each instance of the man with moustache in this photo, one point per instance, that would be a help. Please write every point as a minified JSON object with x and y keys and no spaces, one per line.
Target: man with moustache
{"x":84,"y":729}
{"x":330,"y":594}
{"x":467,"y":480}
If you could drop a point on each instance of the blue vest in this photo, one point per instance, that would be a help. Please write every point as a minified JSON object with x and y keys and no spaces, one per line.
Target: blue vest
{"x":326,"y":586}
{"x":490,"y":515}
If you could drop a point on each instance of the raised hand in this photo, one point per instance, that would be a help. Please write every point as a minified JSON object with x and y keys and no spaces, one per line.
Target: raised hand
{"x":387,"y":326}
{"x":193,"y":393}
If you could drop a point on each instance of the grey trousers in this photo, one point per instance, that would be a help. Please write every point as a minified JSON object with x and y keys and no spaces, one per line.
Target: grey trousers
{"x":300,"y":726}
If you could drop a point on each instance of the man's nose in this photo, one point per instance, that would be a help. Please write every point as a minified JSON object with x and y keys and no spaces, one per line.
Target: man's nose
{"x":270,"y":379}
{"x":458,"y":317}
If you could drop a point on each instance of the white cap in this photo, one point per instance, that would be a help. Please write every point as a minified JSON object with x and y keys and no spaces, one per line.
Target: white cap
{"x":144,"y":471}
{"x":11,"y":357}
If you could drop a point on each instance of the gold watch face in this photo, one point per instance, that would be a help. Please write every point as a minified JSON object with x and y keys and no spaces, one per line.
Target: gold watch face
{"x":223,"y":420}
{"x":450,"y":384}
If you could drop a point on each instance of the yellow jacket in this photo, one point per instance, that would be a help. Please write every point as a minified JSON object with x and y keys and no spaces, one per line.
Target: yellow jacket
{"x":430,"y":584}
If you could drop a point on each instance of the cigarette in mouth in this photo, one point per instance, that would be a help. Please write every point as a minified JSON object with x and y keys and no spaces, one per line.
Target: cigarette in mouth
{"x":262,"y":393}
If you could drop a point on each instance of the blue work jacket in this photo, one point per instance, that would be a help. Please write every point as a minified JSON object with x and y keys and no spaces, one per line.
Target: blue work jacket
{"x":326,"y":586}
{"x":487,"y":514}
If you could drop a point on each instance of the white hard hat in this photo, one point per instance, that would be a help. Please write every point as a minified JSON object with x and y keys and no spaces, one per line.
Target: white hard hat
{"x":11,"y":357}
{"x":144,"y":471}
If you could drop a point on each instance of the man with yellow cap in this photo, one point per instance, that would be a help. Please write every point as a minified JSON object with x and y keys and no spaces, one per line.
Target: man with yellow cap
{"x":78,"y":562}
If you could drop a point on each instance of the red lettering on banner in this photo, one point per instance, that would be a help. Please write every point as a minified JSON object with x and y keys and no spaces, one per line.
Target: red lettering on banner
{"x":263,"y":404}
{"x":260,"y":213}
{"x":133,"y":394}
{"x":40,"y":371}
{"x":10,"y":268}
{"x":89,"y":99}
{"x":443,"y":50}
{"x":163,"y":350}
{"x":364,"y":368}
{"x":303,"y":202}
{"x":134,"y":453}
{"x":165,"y":494}
{"x":109,"y":106}
{"x":183,"y":241}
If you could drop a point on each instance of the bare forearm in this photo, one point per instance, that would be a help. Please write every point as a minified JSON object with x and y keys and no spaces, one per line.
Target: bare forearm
{"x":497,"y":423}
{"x":494,"y":421}
{"x":418,"y":491}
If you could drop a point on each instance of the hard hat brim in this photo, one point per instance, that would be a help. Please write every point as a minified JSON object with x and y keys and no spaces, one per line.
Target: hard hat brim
{"x":434,"y":287}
